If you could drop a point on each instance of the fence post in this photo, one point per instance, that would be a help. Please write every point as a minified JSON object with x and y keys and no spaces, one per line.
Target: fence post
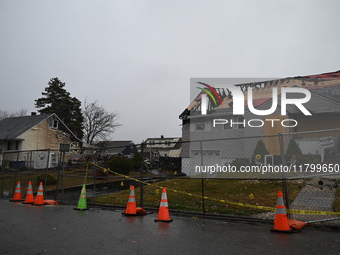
{"x":142,"y":178}
{"x":202,"y":181}
{"x":284,"y":180}
{"x":29,"y":164}
{"x":58,"y":178}
{"x":16,"y":173}
{"x":3,"y":174}
{"x":94,"y":185}
{"x":62,"y":175}
{"x":48,"y":164}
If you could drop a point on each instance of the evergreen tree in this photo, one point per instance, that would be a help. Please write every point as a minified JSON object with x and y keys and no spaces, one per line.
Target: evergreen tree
{"x":137,"y":161}
{"x":259,"y":152}
{"x":57,"y":100}
{"x":294,"y":153}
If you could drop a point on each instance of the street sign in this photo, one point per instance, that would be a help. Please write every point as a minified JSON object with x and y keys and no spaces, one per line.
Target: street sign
{"x":326,"y":142}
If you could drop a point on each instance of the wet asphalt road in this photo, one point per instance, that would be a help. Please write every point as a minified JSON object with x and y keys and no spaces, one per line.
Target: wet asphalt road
{"x":25,"y":229}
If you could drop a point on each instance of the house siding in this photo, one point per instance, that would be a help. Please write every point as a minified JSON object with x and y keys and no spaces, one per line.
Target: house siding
{"x":42,"y":136}
{"x":35,"y":138}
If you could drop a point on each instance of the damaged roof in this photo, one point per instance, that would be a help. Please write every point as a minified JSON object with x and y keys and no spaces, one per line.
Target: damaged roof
{"x":326,"y":85}
{"x":115,"y":147}
{"x":11,"y":128}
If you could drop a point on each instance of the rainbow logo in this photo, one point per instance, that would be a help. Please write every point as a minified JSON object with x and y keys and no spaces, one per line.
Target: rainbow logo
{"x":212,"y":93}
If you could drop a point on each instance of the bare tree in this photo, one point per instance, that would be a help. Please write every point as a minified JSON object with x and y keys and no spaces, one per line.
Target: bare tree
{"x":98,"y":123}
{"x":4,"y":114}
{"x":19,"y":113}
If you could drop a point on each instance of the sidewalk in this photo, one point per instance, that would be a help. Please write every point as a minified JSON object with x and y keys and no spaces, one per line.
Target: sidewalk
{"x":317,"y":195}
{"x":312,"y":197}
{"x":25,"y":229}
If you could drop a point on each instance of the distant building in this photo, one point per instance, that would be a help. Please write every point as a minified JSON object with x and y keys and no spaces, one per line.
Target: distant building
{"x":164,"y":146}
{"x":158,"y":151}
{"x":116,"y":148}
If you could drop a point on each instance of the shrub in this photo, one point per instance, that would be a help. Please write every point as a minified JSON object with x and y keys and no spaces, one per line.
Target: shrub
{"x":50,"y":179}
{"x":295,"y":156}
{"x":259,"y":153}
{"x":136,"y":161}
{"x":119,"y":165}
{"x":293,"y":152}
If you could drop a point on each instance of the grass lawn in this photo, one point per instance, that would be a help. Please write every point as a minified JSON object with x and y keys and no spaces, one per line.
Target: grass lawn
{"x":254,"y":192}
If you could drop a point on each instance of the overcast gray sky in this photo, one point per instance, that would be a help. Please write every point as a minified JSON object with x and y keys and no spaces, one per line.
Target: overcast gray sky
{"x":137,"y":57}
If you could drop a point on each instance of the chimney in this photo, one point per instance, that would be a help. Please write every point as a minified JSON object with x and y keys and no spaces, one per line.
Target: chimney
{"x":33,"y":113}
{"x":162,"y":136}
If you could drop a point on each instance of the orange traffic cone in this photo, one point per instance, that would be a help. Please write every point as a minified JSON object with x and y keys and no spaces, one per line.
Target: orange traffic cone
{"x":131,"y":208}
{"x":163,"y":213}
{"x":281,"y":222}
{"x":281,"y":219}
{"x":17,"y":194}
{"x":29,"y":199}
{"x":39,"y":199}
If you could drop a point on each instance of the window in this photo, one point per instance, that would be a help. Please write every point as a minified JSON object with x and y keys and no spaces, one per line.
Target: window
{"x":200,"y":126}
{"x":13,"y":145}
{"x":241,"y":122}
{"x":228,"y":125}
{"x":64,"y":147}
{"x":53,"y":123}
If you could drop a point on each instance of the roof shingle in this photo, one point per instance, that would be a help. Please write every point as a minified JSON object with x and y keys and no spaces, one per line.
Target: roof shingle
{"x":11,"y":128}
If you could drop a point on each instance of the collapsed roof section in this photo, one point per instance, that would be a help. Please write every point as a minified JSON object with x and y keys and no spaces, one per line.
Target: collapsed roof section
{"x":325,"y":85}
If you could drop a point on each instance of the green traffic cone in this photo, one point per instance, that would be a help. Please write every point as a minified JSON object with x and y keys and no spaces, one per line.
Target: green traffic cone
{"x":82,"y":205}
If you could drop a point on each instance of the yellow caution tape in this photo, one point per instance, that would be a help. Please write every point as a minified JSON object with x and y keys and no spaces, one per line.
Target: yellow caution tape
{"x":267,"y":208}
{"x":87,"y":170}
{"x":297,"y":211}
